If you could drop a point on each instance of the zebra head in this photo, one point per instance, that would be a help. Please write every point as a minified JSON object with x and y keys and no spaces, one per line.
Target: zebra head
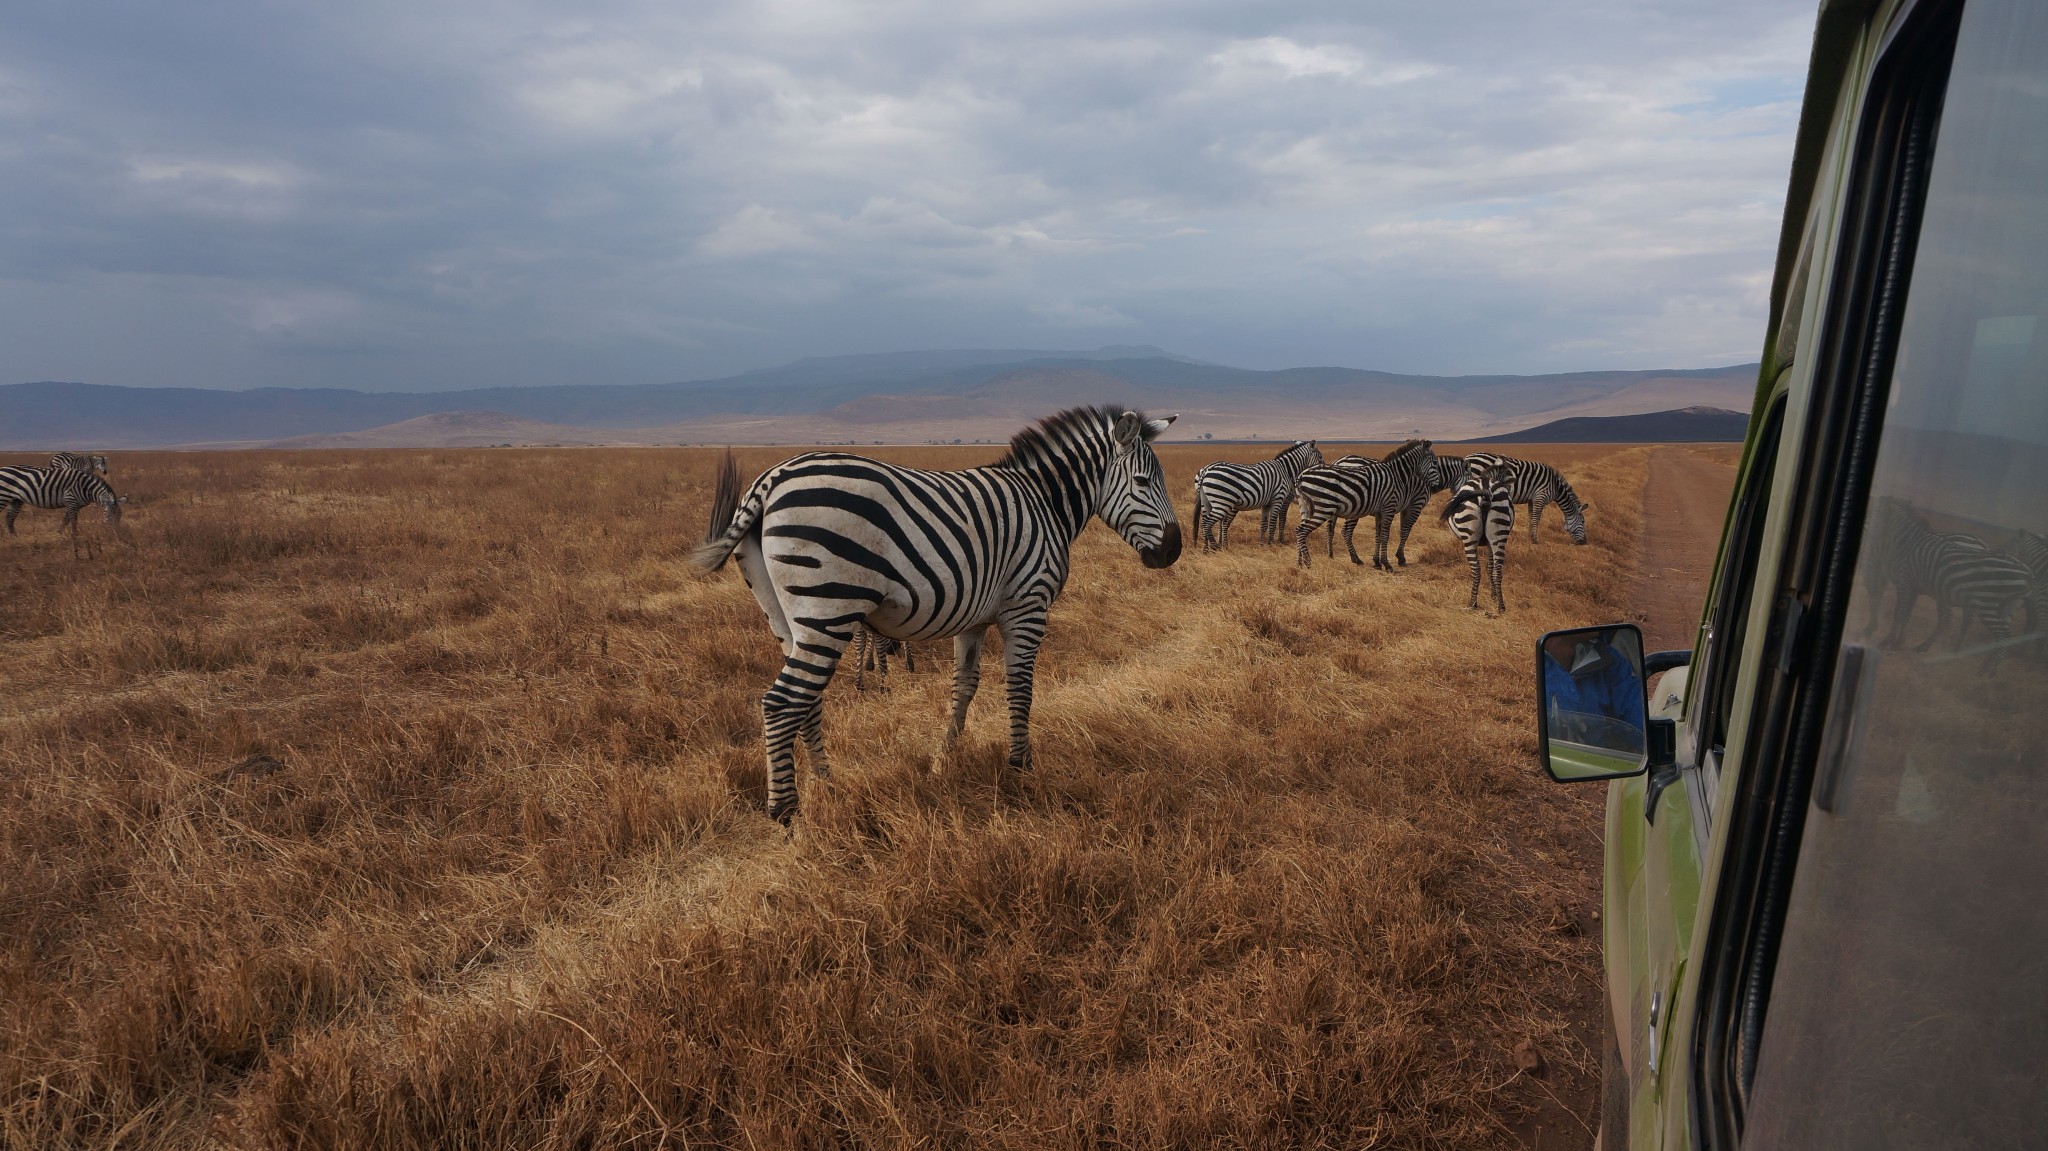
{"x":1574,"y":511}
{"x":1132,"y":499}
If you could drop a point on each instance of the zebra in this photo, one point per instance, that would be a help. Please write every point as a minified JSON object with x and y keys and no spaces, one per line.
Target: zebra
{"x":51,"y":488}
{"x":871,"y":652}
{"x":83,"y":463}
{"x":1448,"y":471}
{"x":828,"y":540}
{"x":1224,"y":489}
{"x":1537,"y":485}
{"x":1383,"y":489}
{"x":1959,"y":571}
{"x":1481,"y":513}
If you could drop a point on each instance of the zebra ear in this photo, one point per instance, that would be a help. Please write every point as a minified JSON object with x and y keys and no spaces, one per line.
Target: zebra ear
{"x":1127,"y":428}
{"x":1154,"y":427}
{"x":1584,"y":504}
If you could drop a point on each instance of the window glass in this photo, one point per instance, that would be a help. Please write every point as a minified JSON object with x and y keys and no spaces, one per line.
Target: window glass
{"x":1909,"y":1006}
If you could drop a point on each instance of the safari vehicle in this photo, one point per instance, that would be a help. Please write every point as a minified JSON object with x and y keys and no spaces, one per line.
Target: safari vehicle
{"x":1826,"y":882}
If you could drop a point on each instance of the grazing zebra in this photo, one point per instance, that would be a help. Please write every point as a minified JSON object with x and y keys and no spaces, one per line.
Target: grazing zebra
{"x":827,"y":541}
{"x":1481,"y":513}
{"x":1537,"y":485}
{"x":871,"y":652}
{"x":83,"y":463}
{"x":1960,"y":572}
{"x":51,"y":488}
{"x":1224,"y":489}
{"x":1383,"y":489}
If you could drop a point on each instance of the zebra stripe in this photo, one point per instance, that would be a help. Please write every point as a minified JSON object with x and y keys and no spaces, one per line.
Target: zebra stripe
{"x":83,"y":463}
{"x":1960,"y":572}
{"x":52,"y":488}
{"x":1481,"y":513}
{"x":1224,"y":489}
{"x":827,"y":541}
{"x":1354,"y":488}
{"x":1537,"y":485}
{"x":871,"y":652}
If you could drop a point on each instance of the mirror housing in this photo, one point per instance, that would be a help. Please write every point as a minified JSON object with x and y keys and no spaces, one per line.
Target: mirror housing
{"x":1592,"y":705}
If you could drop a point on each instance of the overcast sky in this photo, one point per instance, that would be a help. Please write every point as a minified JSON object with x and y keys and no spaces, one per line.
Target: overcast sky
{"x":435,"y":193}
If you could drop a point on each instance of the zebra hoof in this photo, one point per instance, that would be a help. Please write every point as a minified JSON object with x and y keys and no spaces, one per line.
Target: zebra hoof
{"x":783,"y":813}
{"x":1020,"y":762}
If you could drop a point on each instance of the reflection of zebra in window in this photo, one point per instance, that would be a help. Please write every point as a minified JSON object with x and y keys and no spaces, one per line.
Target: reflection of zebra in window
{"x":1537,"y":485}
{"x":52,"y":488}
{"x":83,"y":463}
{"x":1481,"y":513}
{"x":1224,"y":489}
{"x":828,"y":540}
{"x":1958,"y":571}
{"x":871,"y":652}
{"x":1383,"y":489}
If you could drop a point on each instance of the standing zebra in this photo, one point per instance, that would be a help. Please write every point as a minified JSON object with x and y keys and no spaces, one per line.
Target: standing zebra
{"x":1383,"y":489}
{"x":1537,"y":485}
{"x":83,"y":463}
{"x":1958,"y":571}
{"x":51,"y":488}
{"x":1481,"y":513}
{"x":1224,"y":489}
{"x":827,"y":541}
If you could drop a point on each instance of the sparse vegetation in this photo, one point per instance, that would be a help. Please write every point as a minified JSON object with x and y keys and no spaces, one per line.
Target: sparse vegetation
{"x":412,"y":799}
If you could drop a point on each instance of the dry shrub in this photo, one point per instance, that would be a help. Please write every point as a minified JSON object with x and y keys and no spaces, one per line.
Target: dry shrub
{"x":412,"y":799}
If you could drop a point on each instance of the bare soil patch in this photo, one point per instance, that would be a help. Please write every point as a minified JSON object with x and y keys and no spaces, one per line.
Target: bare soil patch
{"x":1684,"y":506}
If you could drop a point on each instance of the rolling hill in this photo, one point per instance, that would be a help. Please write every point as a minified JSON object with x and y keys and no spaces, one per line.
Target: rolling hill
{"x":897,"y":397}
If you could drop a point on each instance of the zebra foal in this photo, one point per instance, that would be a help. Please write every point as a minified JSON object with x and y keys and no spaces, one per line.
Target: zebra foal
{"x":1481,"y":513}
{"x":52,"y":488}
{"x":828,"y":541}
{"x":1537,"y":485}
{"x":1224,"y":489}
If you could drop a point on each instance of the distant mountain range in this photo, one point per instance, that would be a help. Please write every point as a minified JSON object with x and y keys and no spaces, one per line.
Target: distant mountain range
{"x":892,"y":398}
{"x":1684,"y":426}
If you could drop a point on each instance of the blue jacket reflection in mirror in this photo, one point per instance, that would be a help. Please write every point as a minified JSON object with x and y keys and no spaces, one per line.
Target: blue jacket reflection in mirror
{"x":1593,"y":694}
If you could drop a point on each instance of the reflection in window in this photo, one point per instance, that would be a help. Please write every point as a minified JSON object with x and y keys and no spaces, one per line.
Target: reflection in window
{"x":1910,"y":1001}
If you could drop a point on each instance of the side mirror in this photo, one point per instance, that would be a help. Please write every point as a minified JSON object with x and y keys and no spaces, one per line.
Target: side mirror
{"x":1592,"y":719}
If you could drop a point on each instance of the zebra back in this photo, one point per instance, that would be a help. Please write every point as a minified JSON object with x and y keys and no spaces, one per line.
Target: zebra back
{"x":80,"y":462}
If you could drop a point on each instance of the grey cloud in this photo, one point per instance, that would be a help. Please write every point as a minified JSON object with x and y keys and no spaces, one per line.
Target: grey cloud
{"x":456,"y":194}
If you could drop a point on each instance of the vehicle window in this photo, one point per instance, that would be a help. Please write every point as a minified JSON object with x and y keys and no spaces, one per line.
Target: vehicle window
{"x":1906,"y":1004}
{"x":1730,"y":621}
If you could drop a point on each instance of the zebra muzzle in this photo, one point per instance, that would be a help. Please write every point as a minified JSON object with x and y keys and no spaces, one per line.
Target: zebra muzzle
{"x":1167,"y":551}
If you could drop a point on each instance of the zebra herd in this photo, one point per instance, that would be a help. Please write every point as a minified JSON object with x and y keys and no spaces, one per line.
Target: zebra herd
{"x":70,"y":482}
{"x":1484,"y":488}
{"x":843,"y":552}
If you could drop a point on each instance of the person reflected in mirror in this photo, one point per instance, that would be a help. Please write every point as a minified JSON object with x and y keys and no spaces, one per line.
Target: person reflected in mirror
{"x":1590,"y":676}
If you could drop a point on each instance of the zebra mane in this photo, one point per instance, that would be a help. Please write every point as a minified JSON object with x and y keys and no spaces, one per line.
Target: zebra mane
{"x":1295,"y":446}
{"x":1405,"y":450}
{"x":1043,"y":437}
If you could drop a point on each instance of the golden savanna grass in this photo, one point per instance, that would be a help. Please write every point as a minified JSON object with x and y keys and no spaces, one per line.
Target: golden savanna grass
{"x":413,"y":799}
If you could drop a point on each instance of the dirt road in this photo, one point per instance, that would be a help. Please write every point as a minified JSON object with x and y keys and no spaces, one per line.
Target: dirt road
{"x":1684,"y":504}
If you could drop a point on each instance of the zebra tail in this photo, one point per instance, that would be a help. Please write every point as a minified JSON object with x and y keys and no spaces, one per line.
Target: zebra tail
{"x":722,"y":534}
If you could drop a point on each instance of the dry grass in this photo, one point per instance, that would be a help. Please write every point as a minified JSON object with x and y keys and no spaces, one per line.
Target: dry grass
{"x":413,"y":799}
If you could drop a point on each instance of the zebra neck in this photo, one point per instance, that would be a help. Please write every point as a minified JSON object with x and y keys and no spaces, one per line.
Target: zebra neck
{"x":1068,"y":478}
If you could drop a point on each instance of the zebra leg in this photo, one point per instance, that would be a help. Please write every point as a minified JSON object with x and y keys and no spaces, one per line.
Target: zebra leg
{"x":1351,"y":545}
{"x":1022,"y":632}
{"x":1940,"y":623}
{"x":966,"y":677}
{"x":861,"y":658}
{"x":1902,"y":610}
{"x":794,"y":706}
{"x":1302,"y":531}
{"x":1382,"y":527}
{"x":1472,"y":561}
{"x":1535,"y":515}
{"x":1331,"y":547}
{"x":13,"y":509}
{"x":814,"y":740}
{"x":1223,"y":523}
{"x":1500,"y":561}
{"x":1408,"y":517}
